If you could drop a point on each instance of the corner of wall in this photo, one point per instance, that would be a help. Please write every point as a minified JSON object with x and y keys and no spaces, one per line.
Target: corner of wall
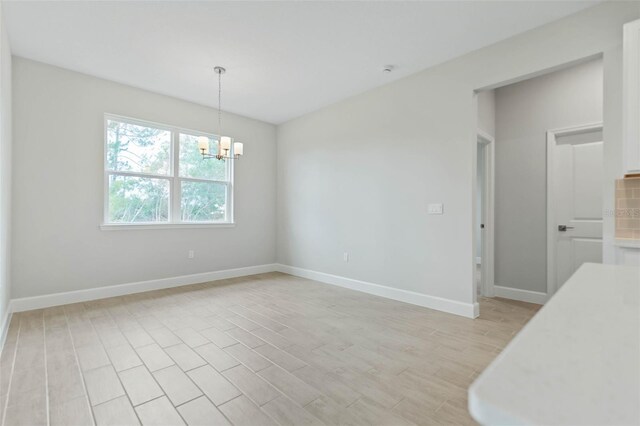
{"x":276,"y":255}
{"x":5,"y":179}
{"x":469,"y":310}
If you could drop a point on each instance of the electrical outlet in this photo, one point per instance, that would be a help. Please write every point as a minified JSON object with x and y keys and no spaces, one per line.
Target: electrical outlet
{"x":435,"y":208}
{"x":191,"y":254}
{"x":345,"y":256}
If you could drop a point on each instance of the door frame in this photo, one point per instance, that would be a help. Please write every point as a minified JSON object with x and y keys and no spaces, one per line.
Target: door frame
{"x":552,"y":136}
{"x":488,"y":206}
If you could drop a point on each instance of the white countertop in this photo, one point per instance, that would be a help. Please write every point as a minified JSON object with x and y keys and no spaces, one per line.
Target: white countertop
{"x":576,"y":362}
{"x":625,"y":242}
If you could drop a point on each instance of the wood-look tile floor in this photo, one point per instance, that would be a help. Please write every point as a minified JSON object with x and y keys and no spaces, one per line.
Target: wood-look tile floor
{"x":261,"y":350}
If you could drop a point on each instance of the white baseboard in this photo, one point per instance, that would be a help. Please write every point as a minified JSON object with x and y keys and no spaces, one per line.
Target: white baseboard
{"x":521,"y":295}
{"x":470,"y":310}
{"x":56,"y":299}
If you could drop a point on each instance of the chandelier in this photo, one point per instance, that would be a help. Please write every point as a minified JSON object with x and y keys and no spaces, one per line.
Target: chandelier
{"x":226,"y":149}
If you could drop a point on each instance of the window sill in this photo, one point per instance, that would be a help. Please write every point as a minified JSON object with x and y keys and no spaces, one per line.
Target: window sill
{"x":141,"y":226}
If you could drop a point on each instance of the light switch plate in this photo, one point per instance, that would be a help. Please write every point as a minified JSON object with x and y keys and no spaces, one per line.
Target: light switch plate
{"x":435,"y":208}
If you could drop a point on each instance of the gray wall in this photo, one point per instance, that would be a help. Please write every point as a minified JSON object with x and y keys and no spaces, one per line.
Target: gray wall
{"x":58,"y":188}
{"x":5,"y":172}
{"x":357,"y":176}
{"x":524,"y":113}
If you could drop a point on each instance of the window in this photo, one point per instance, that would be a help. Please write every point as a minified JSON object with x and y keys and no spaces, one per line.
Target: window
{"x":155,"y":175}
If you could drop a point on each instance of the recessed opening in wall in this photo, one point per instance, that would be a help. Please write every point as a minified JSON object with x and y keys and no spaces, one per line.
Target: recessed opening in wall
{"x":539,"y":182}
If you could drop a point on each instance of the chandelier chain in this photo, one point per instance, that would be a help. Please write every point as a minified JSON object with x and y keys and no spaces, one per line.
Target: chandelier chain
{"x":219,"y":106}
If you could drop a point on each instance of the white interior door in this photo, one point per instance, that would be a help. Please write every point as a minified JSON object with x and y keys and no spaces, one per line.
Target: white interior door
{"x":577,"y":188}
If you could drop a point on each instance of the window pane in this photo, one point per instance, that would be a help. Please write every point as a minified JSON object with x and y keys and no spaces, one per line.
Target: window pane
{"x":194,"y":166}
{"x":203,"y":201}
{"x":138,"y":149}
{"x":135,"y":199}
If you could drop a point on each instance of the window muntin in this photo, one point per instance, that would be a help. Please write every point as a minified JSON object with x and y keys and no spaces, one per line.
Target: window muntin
{"x":191,"y":164}
{"x":154,"y":174}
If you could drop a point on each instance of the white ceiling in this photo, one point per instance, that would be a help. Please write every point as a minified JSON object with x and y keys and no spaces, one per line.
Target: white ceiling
{"x":284,"y":59}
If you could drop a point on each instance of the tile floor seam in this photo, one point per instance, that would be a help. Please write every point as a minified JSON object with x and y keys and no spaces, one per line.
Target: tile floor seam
{"x":154,"y":379}
{"x":186,"y":402}
{"x":13,"y":364}
{"x":46,"y":370}
{"x":75,"y":356}
{"x":151,"y":400}
{"x":217,"y":407}
{"x":246,"y":307}
{"x":114,"y":370}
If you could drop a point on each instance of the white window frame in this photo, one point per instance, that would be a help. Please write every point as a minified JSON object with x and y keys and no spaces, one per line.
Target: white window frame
{"x":174,"y":179}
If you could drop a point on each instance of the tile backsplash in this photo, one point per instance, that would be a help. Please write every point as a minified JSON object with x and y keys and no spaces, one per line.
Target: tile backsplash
{"x":628,"y":208}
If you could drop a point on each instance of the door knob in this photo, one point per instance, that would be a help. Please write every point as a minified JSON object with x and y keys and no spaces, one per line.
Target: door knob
{"x":563,"y":228}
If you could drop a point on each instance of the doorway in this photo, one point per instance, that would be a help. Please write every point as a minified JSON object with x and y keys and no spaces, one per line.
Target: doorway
{"x":574,"y":201}
{"x":484,"y":214}
{"x":545,"y":158}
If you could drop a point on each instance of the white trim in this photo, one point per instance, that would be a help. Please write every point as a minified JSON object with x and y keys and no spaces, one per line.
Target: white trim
{"x":168,"y":225}
{"x":631,"y":96}
{"x":173,"y":176}
{"x":56,"y":299}
{"x":552,"y":229}
{"x":551,"y":215}
{"x":4,"y":326}
{"x":486,"y":137}
{"x":175,"y":186}
{"x":577,"y":130}
{"x":488,"y":250}
{"x":469,"y":310}
{"x":522,"y":295}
